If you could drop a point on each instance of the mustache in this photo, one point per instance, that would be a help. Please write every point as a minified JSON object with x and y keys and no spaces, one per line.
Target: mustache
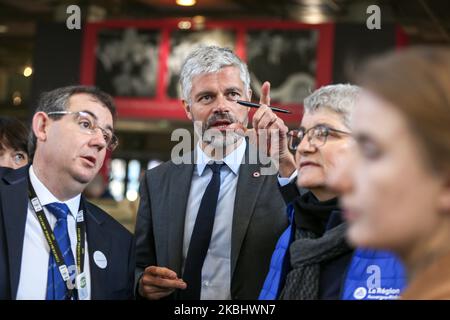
{"x":219,"y":117}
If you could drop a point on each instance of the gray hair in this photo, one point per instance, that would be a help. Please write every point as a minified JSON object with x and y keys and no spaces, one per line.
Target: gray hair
{"x":58,"y":100}
{"x":339,"y":98}
{"x":210,"y":59}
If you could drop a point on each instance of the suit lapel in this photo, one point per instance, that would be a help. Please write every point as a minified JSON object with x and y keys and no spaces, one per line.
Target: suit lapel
{"x":180,"y":182}
{"x":14,"y":208}
{"x":249,"y":185}
{"x":98,"y":240}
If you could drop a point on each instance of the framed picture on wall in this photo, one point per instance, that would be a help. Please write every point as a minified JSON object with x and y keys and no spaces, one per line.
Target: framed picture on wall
{"x":182,"y":42}
{"x":288,"y":58}
{"x":139,"y":62}
{"x":127,"y":62}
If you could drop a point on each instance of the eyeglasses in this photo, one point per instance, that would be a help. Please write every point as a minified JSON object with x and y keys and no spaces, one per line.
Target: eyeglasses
{"x":88,"y":124}
{"x":317,"y":136}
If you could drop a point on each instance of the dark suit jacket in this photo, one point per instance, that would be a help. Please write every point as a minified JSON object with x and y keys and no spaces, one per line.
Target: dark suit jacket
{"x":103,"y":233}
{"x":259,"y":219}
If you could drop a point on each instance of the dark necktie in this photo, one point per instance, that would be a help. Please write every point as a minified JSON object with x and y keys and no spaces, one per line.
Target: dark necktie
{"x":201,"y":236}
{"x":56,"y":286}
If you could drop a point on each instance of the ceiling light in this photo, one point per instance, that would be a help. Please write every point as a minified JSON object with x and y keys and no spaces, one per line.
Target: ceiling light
{"x":186,"y":3}
{"x":313,"y":14}
{"x":184,"y":25}
{"x":27,"y":71}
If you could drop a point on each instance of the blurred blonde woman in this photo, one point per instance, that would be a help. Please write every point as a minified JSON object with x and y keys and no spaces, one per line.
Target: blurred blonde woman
{"x":396,"y":188}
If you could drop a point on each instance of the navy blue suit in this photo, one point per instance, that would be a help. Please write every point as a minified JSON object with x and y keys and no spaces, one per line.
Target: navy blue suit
{"x":103,"y":233}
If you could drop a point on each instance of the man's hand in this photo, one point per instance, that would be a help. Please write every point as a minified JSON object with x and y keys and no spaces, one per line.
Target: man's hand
{"x":267,"y":124}
{"x":159,"y":282}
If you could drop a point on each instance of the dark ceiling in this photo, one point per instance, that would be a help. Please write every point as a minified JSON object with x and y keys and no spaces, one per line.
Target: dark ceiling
{"x":425,"y":21}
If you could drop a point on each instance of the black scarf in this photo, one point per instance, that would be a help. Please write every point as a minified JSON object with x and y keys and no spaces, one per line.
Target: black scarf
{"x":314,"y":215}
{"x":320,"y":237}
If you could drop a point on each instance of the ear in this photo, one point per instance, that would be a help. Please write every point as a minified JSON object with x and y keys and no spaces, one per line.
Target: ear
{"x":444,"y":198}
{"x":39,"y":125}
{"x":187,"y":109}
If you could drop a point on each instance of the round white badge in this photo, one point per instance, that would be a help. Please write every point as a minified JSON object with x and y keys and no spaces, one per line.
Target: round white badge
{"x":100,"y":259}
{"x":360,"y":293}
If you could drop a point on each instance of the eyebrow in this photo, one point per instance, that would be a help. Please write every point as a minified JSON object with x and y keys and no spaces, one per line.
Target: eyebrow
{"x":318,"y":125}
{"x":202,"y":93}
{"x":108,"y":127}
{"x":233,"y":89}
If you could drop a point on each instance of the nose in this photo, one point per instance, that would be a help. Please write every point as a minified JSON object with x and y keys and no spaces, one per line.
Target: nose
{"x":222,"y":105}
{"x":97,"y":139}
{"x":340,"y":177}
{"x":305,"y":147}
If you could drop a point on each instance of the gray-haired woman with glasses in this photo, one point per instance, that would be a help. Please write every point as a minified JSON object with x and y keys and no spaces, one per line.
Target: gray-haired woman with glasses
{"x":320,"y":264}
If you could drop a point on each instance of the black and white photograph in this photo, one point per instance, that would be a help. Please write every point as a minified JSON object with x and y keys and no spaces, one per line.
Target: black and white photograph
{"x":127,"y":62}
{"x":286,"y":58}
{"x":182,"y":42}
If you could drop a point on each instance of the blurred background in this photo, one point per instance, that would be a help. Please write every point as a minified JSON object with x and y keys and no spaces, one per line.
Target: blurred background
{"x":134,"y":49}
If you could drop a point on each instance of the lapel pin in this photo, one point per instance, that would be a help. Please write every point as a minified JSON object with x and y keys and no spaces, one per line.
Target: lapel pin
{"x":100,"y":259}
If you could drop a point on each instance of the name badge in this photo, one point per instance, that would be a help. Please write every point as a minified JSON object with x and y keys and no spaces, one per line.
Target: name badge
{"x":80,"y":216}
{"x":82,"y":287}
{"x":64,"y":272}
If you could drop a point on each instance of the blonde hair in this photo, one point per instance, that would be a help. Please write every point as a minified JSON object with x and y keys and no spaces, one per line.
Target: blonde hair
{"x":417,"y":82}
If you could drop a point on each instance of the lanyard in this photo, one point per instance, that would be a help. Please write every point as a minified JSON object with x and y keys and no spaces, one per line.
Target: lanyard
{"x":51,"y":239}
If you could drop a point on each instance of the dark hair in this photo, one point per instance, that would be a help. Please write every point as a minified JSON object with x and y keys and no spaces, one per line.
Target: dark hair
{"x":13,"y":134}
{"x":58,"y":100}
{"x":416,"y":81}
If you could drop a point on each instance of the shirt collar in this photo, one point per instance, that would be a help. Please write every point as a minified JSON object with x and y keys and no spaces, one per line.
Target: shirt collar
{"x":232,"y":160}
{"x":45,"y":196}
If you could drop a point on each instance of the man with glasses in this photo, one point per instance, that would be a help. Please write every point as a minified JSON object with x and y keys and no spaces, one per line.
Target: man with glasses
{"x":55,"y":245}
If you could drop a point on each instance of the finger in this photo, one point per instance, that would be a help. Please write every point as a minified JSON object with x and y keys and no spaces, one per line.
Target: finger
{"x":265,"y":93}
{"x":267,"y":121}
{"x":152,"y":289}
{"x":162,"y":282}
{"x":161,"y":272}
{"x":259,"y":114}
{"x":156,"y":295}
{"x":280,"y":126}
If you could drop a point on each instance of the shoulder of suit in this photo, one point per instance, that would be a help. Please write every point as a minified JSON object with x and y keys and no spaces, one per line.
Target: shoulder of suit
{"x":112,"y":223}
{"x":177,"y":162}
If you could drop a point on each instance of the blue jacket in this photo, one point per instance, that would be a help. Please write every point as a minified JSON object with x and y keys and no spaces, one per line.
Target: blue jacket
{"x":370,"y":275}
{"x":373,"y":275}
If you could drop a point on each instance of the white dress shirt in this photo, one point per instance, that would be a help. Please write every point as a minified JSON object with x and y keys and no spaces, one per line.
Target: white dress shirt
{"x":283,"y":181}
{"x":36,"y":252}
{"x":216,"y":271}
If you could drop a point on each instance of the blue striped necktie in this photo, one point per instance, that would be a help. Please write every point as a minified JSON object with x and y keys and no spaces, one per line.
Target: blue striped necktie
{"x":56,"y":286}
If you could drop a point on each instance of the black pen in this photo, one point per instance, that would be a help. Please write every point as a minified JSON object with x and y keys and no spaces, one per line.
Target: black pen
{"x":256,"y":105}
